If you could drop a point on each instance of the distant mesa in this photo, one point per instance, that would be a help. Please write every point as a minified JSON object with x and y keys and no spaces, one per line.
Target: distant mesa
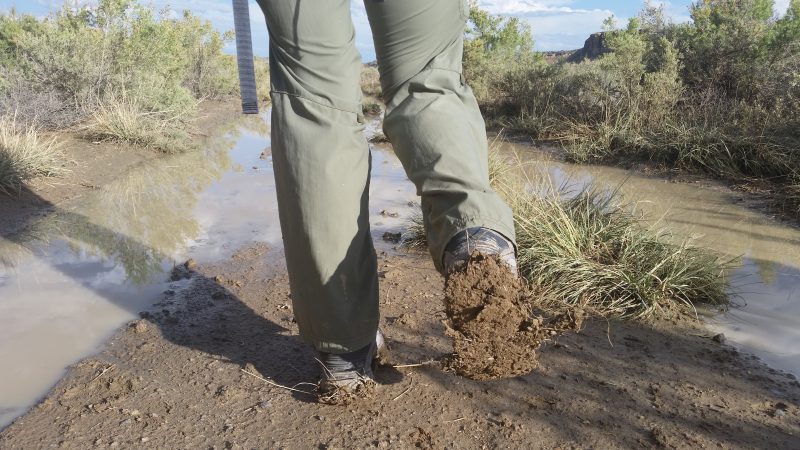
{"x":593,"y":48}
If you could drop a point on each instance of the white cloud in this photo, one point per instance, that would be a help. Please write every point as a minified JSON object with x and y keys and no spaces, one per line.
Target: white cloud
{"x":515,"y":7}
{"x":556,"y":24}
{"x":781,"y":6}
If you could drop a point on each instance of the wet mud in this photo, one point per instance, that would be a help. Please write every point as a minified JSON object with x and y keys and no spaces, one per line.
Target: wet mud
{"x":494,"y":325}
{"x":211,"y":366}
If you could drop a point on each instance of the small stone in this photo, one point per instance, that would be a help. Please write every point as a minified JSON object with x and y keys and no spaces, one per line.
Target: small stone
{"x":190,"y":264}
{"x":719,"y":338}
{"x":180,"y":273}
{"x":139,"y":326}
{"x":392,"y":237}
{"x":218,"y":295}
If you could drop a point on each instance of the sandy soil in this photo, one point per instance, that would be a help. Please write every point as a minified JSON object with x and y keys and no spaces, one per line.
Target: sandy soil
{"x":90,"y":165}
{"x":201,"y":372}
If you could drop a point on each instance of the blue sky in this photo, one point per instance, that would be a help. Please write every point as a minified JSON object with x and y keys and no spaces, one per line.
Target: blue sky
{"x":556,"y":24}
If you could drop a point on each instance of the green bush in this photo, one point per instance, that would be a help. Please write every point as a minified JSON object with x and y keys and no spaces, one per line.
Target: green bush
{"x":87,"y":59}
{"x":495,"y":46}
{"x":719,"y":95}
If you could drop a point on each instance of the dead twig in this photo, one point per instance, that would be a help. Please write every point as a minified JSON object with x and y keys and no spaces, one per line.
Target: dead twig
{"x":410,"y":385}
{"x":272,"y":383}
{"x":455,"y":420}
{"x":424,"y":363}
{"x":103,"y":372}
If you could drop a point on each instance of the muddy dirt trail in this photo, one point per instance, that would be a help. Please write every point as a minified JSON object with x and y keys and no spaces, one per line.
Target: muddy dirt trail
{"x":202,"y":371}
{"x":209,"y":364}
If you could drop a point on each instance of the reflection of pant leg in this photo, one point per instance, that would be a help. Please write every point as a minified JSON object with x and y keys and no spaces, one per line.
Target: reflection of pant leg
{"x":322,"y":172}
{"x":432,"y":117}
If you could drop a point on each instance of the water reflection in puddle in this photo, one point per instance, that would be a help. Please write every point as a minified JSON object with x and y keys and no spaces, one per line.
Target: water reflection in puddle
{"x":74,"y":277}
{"x":71,"y":279}
{"x":766,"y":285}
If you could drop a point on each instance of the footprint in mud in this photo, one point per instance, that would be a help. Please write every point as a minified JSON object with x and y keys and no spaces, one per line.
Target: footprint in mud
{"x":493,"y":325}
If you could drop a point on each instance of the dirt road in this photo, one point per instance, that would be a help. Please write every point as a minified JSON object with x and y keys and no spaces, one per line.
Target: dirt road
{"x":199,"y":372}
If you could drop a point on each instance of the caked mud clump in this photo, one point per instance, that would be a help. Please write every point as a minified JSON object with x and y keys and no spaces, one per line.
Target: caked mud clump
{"x":494,"y":329}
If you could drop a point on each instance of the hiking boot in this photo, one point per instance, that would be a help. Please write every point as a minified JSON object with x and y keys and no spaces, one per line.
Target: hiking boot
{"x":347,"y":374}
{"x":483,"y":240}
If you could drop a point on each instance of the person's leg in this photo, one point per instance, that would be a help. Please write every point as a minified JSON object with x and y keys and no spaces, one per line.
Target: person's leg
{"x":432,"y":117}
{"x":322,"y":165}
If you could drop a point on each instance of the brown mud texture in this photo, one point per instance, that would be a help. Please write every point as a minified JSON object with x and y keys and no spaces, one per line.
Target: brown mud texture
{"x":495,"y":330}
{"x":208,"y":367}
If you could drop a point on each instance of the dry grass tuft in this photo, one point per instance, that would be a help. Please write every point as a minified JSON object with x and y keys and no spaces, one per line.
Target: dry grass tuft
{"x":589,"y":249}
{"x":123,"y":119}
{"x":25,"y":154}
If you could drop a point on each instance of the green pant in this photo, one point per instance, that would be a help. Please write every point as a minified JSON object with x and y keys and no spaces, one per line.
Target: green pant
{"x":322,"y":162}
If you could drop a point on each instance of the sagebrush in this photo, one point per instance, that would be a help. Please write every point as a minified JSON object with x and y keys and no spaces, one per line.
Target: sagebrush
{"x":719,"y":95}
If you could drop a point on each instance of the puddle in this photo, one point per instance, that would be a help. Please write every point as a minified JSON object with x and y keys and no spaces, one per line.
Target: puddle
{"x":766,"y":285}
{"x":78,"y":275}
{"x":75,"y":277}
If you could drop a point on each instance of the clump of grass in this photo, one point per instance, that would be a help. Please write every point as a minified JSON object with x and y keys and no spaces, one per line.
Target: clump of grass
{"x":371,"y":82}
{"x":25,"y":154}
{"x":590,"y":249}
{"x":124,"y":120}
{"x":372,"y":95}
{"x":369,"y":108}
{"x":414,"y":237}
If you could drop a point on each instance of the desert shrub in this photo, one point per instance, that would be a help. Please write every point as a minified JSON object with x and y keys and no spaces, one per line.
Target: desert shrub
{"x":77,"y":59}
{"x":24,"y":154}
{"x":371,"y":92}
{"x":493,"y":47}
{"x":120,"y":118}
{"x":32,"y":106}
{"x":371,"y":82}
{"x":262,"y":80}
{"x":720,"y":95}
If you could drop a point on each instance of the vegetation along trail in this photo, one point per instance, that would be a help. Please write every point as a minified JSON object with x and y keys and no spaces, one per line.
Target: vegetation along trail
{"x":215,"y":316}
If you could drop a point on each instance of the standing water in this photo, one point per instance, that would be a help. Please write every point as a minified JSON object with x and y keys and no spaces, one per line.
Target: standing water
{"x":765,"y":288}
{"x":72,"y":279}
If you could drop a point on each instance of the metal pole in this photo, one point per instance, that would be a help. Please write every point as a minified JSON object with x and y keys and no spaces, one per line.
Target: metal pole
{"x":244,"y":57}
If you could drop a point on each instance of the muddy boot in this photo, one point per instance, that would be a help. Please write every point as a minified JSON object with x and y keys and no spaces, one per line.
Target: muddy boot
{"x":478,"y":239}
{"x":349,"y":375}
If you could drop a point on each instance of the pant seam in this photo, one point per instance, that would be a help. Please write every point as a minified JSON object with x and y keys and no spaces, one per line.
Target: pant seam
{"x":317,"y":102}
{"x":393,"y":90}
